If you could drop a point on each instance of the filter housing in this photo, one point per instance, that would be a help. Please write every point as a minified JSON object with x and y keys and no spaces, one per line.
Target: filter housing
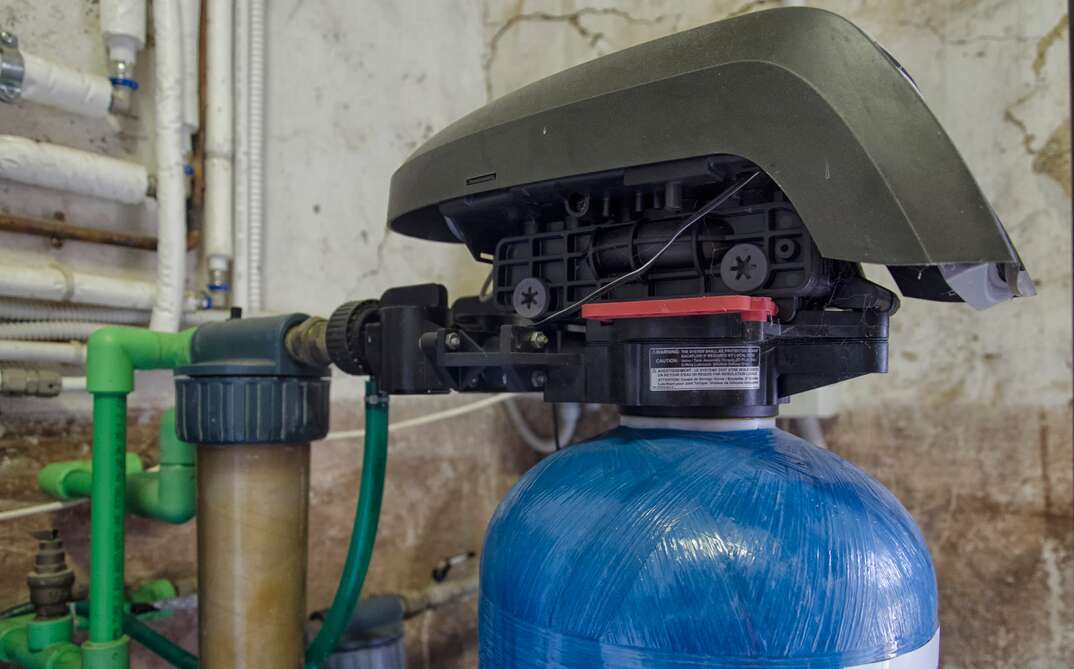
{"x":670,"y":548}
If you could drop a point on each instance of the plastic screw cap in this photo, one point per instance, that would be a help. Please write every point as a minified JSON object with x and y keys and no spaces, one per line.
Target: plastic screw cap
{"x":744,"y":268}
{"x":343,"y":334}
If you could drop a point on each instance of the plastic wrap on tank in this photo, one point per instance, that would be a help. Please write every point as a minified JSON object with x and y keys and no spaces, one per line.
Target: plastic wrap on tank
{"x":670,"y":548}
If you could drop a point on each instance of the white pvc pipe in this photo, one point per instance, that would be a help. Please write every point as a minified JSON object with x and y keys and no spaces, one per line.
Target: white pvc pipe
{"x":190,"y":16}
{"x":70,"y":353}
{"x":50,"y":330}
{"x":56,"y":282}
{"x":256,"y":119}
{"x":65,"y":88}
{"x":72,"y":383}
{"x":219,"y":119}
{"x":61,"y":168}
{"x":171,"y":189}
{"x":123,"y":27}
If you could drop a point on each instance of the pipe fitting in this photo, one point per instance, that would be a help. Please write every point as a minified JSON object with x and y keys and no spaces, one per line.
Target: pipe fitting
{"x":113,"y":353}
{"x":29,"y":382}
{"x":306,"y":342}
{"x":12,"y":67}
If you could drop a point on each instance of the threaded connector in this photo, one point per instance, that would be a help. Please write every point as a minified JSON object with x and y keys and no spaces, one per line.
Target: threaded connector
{"x":306,"y":343}
{"x":51,"y":580}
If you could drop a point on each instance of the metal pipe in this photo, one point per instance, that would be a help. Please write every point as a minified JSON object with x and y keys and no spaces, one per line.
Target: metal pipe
{"x":59,"y":230}
{"x":252,"y":515}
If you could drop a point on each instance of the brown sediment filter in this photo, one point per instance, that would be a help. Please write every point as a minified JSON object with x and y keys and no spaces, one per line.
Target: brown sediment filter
{"x":252,"y":515}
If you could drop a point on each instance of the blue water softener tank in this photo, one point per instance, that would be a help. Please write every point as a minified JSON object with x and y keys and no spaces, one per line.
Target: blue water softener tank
{"x":671,"y":548}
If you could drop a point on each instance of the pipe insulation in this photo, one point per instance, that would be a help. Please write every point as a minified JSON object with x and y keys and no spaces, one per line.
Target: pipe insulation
{"x":50,"y":166}
{"x":69,"y":353}
{"x":256,"y":178}
{"x":123,"y":27}
{"x":171,"y":187}
{"x":219,"y":140}
{"x":50,"y":330}
{"x":190,"y":16}
{"x":56,"y":282}
{"x":65,"y":88}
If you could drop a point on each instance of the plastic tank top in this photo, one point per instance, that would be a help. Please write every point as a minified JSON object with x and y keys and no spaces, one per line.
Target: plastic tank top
{"x":669,"y":549}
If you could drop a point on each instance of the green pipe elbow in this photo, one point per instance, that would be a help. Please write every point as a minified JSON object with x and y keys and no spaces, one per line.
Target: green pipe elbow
{"x":113,"y":353}
{"x":170,"y":494}
{"x":73,"y":479}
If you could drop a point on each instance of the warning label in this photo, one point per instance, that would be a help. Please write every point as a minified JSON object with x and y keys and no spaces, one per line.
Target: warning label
{"x":708,"y":368}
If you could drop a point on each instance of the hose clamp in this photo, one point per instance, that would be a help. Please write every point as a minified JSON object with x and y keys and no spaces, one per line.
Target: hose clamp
{"x":12,"y":67}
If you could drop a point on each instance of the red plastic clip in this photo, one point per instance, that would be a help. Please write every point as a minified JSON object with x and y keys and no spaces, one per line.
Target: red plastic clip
{"x":747,"y":307}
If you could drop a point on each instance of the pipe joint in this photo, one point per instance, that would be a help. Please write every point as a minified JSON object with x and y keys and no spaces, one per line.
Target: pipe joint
{"x":113,"y":353}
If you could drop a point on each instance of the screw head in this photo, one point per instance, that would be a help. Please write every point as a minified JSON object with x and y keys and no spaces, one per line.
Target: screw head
{"x":538,"y":379}
{"x":530,"y":297}
{"x":744,"y":268}
{"x":8,"y":39}
{"x":452,"y":341}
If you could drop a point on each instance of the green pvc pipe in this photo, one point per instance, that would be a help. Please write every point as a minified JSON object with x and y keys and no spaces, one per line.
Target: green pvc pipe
{"x":364,"y":534}
{"x":160,"y":645}
{"x":113,"y":353}
{"x":157,"y":643}
{"x":15,"y":648}
{"x":169,"y":494}
{"x":106,"y":517}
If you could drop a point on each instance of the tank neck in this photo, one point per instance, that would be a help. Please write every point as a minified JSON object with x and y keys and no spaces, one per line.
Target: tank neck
{"x":698,"y":424}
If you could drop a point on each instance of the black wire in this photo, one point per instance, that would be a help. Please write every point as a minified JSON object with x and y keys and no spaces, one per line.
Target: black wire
{"x":600,"y":290}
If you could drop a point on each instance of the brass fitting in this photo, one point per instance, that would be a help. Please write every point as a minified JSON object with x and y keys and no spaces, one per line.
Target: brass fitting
{"x":306,"y":343}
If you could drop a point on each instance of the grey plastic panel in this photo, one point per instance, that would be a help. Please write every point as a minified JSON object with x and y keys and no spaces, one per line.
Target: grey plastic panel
{"x":803,"y":93}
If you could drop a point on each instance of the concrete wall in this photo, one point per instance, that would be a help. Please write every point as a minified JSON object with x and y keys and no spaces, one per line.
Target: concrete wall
{"x":971,"y":429}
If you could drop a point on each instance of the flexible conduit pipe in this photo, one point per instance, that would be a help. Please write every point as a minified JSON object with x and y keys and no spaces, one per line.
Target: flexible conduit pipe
{"x":255,"y":207}
{"x":21,"y":310}
{"x":49,"y":330}
{"x":64,"y":88}
{"x":219,"y":119}
{"x":69,"y":353}
{"x":240,"y":270}
{"x":171,"y":190}
{"x":364,"y":534}
{"x":56,"y":282}
{"x":51,"y":166}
